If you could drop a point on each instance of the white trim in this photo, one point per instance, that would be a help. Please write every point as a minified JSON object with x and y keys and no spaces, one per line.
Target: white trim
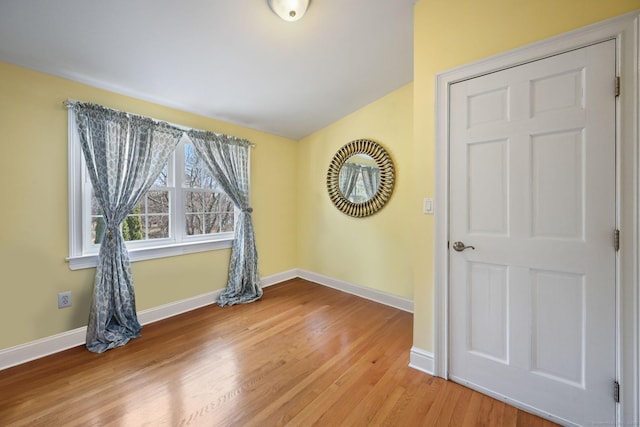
{"x":178,"y":307}
{"x":395,"y":301}
{"x":274,"y":279}
{"x":421,"y":360}
{"x":141,"y":254}
{"x":629,"y":209}
{"x":74,"y":166}
{"x":624,"y":29}
{"x":37,"y":349}
{"x":33,"y":350}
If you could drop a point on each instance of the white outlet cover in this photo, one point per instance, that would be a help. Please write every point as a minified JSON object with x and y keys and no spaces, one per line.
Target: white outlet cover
{"x":64,"y":299}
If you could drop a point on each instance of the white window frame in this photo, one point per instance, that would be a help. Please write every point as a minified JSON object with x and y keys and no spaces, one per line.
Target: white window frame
{"x":85,"y":255}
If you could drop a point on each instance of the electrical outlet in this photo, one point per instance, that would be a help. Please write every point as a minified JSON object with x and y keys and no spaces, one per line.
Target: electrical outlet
{"x":64,"y":299}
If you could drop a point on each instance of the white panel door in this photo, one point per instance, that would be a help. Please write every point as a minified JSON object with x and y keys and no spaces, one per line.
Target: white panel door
{"x":532,"y":189}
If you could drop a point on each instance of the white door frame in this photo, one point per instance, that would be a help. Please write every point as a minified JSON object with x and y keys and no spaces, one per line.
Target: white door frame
{"x":625,"y":30}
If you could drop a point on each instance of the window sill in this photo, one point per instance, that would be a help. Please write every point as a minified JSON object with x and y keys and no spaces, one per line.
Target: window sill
{"x":89,"y":261}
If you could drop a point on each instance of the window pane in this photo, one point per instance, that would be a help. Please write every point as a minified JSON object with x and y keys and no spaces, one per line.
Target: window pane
{"x":207,"y":179}
{"x":133,"y":227}
{"x":139,"y":208}
{"x":162,"y":179}
{"x":95,"y":207}
{"x":196,"y":175}
{"x":211,"y":223}
{"x":97,"y":229}
{"x":227,"y":222}
{"x":194,"y":202}
{"x":158,"y":227}
{"x":210,"y":202}
{"x":359,"y":194}
{"x":208,"y":213}
{"x":158,"y":202}
{"x":191,"y":170}
{"x":193,"y":224}
{"x":226,"y":205}
{"x":227,"y":214}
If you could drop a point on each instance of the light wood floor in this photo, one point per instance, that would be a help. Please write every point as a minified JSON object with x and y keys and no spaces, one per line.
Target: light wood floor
{"x":303,"y":355}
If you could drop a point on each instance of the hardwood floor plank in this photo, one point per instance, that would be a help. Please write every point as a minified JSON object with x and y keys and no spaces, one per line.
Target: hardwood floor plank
{"x":472,"y":411}
{"x":441,"y":411}
{"x":302,"y":355}
{"x":371,"y":409}
{"x":351,"y":387}
{"x":510,"y":416}
{"x":462,"y":404}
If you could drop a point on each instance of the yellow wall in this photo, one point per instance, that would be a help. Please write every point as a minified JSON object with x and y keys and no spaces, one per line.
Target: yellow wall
{"x":448,"y":34}
{"x":372,"y":251}
{"x":296,"y":224}
{"x":34,"y":212}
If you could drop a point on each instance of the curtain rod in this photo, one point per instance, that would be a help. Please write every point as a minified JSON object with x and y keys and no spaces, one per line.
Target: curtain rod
{"x":71,"y":102}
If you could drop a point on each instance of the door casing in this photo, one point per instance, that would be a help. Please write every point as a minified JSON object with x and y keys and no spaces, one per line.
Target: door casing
{"x":625,"y":30}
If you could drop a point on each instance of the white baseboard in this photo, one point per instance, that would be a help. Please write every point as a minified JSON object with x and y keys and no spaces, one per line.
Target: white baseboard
{"x":178,"y":307}
{"x":278,"y":277}
{"x":23,"y":353}
{"x":395,"y":301}
{"x":421,"y":360}
{"x":33,"y":350}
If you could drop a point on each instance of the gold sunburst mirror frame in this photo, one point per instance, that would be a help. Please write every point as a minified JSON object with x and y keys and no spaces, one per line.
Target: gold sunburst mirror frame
{"x":385,"y":186}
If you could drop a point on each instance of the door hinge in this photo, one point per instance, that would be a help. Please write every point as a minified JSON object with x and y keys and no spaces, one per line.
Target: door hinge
{"x":617,"y":88}
{"x":616,"y":239}
{"x":616,"y":391}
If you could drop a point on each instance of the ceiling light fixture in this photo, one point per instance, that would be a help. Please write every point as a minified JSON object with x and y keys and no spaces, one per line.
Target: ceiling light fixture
{"x":289,"y":10}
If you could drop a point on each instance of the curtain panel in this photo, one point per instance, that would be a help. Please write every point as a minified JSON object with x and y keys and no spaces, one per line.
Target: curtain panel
{"x":124,"y":154}
{"x":371,"y":180}
{"x":348,"y":178}
{"x":227,"y":159}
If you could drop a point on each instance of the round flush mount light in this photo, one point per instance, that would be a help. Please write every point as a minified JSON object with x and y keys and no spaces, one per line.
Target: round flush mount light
{"x":289,"y":10}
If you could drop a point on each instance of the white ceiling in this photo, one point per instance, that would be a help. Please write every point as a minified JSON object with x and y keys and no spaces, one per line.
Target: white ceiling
{"x":232,"y":60}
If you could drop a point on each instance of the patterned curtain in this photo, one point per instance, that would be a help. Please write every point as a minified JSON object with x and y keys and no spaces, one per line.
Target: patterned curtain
{"x":371,"y":180}
{"x":124,"y":154}
{"x":348,"y":178}
{"x":227,"y":159}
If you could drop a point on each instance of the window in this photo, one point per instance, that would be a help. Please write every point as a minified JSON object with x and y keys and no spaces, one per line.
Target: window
{"x":359,"y":194}
{"x":185,"y":211}
{"x":148,"y":220}
{"x":207,"y":209}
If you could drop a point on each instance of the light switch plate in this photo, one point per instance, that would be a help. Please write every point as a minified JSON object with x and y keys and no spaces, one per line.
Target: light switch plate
{"x":427,"y":206}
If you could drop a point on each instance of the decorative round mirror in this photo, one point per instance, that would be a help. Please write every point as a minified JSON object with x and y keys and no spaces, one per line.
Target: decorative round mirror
{"x":360,"y":178}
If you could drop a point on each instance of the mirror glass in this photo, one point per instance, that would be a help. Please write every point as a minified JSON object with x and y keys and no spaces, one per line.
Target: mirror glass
{"x":359,"y":178}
